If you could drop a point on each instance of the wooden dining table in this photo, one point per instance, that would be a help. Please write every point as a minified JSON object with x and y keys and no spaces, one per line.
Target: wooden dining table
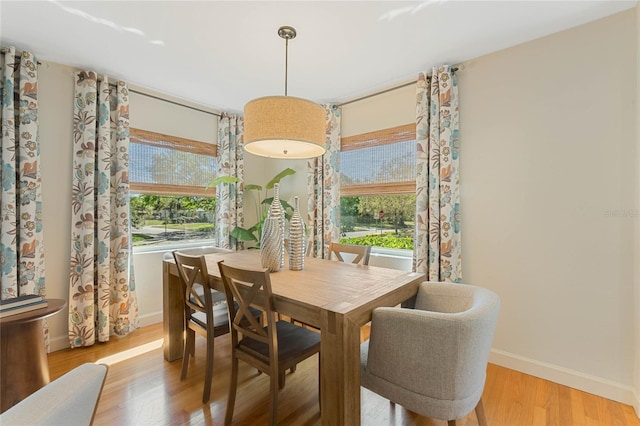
{"x":337,"y":298}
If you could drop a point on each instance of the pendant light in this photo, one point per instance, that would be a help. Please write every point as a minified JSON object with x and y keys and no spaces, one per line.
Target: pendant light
{"x":284,"y":126}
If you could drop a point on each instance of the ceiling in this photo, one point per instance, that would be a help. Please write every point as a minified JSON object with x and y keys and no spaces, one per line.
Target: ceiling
{"x":222,"y":54}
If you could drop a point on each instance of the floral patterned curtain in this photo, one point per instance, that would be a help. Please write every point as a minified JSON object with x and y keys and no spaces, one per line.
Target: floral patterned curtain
{"x":22,"y":241}
{"x":324,"y":188}
{"x":437,"y":251}
{"x":102,"y":296}
{"x":230,"y":162}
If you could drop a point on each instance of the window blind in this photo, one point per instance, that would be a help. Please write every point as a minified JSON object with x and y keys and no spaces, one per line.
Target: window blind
{"x":380,"y":162}
{"x":169,"y":165}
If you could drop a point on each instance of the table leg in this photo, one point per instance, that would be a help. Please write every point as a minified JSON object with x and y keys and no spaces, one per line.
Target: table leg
{"x":340,"y":367}
{"x":24,"y":368}
{"x":173,"y":314}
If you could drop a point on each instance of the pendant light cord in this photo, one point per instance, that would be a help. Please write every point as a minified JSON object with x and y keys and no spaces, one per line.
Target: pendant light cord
{"x":286,"y":63}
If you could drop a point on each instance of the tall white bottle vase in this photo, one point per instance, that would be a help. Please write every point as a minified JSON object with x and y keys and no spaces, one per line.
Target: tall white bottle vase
{"x":270,"y":248}
{"x":276,"y":211}
{"x":297,"y":238}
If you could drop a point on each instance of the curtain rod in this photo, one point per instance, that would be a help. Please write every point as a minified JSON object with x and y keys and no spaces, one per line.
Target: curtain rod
{"x":18,"y":54}
{"x":391,"y":89}
{"x":174,"y":102}
{"x":166,"y":100}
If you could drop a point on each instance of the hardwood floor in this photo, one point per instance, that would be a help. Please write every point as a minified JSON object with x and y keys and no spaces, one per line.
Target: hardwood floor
{"x":144,"y":389}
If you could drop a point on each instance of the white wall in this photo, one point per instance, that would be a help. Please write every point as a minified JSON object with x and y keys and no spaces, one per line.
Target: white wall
{"x":391,"y":109}
{"x":548,"y":181}
{"x":55,"y":96}
{"x":158,"y":116}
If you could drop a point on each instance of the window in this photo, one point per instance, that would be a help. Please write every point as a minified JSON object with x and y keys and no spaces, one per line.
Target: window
{"x":377,"y":205}
{"x":170,"y":200}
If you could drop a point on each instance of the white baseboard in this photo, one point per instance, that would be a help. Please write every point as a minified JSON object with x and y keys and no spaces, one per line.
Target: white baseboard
{"x":62,"y":342}
{"x":636,"y":402}
{"x":567,"y":377}
{"x":149,"y":319}
{"x":58,"y":343}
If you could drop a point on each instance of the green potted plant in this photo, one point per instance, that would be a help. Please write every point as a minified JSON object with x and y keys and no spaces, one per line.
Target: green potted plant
{"x":253,"y":233}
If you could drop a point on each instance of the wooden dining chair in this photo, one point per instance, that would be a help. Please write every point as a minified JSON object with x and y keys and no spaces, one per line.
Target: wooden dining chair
{"x":272,"y":349}
{"x":200,"y":314}
{"x":361,"y":252}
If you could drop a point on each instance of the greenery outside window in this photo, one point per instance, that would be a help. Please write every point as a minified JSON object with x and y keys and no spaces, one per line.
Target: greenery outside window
{"x":170,"y":198}
{"x":377,"y":205}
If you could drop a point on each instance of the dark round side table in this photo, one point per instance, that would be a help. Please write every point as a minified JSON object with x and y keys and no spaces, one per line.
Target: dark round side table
{"x":23,"y":362}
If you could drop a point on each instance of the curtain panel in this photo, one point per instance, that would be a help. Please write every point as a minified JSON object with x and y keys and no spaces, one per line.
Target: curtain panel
{"x":102,"y":296}
{"x":323,"y":182}
{"x":437,"y":248}
{"x":229,"y":196}
{"x":22,"y":241}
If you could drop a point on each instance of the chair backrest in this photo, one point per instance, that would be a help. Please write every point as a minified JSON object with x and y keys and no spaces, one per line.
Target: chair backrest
{"x":193,"y":273}
{"x":445,"y":297}
{"x":361,"y":252}
{"x":246,"y":287}
{"x":459,"y":321}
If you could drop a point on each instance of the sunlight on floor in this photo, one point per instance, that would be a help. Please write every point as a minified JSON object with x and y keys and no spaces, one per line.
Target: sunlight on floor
{"x":130,"y":353}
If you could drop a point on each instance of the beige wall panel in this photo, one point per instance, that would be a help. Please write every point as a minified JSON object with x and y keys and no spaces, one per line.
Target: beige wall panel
{"x":548,"y":181}
{"x":158,"y":116}
{"x":387,"y":110}
{"x":55,"y":96}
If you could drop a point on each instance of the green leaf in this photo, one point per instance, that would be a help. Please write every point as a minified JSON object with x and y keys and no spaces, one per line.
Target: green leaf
{"x":222,"y":179}
{"x":252,"y":186}
{"x":243,"y":234}
{"x":286,"y":172}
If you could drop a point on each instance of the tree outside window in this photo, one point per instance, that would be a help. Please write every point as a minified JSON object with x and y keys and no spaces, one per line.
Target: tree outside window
{"x":377,"y":206}
{"x":170,"y":200}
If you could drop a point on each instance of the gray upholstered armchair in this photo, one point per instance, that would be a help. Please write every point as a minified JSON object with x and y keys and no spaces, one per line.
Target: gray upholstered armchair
{"x":72,"y":399}
{"x":432,"y":359}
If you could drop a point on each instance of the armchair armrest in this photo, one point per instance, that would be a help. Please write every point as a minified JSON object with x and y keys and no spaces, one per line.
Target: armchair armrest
{"x":71,"y":399}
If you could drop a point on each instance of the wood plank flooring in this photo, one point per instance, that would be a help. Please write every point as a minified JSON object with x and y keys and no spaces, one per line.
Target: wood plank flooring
{"x":144,"y":389}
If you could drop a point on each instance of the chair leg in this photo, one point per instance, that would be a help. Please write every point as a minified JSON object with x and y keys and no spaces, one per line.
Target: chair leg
{"x":275,"y":384}
{"x":186,"y":352}
{"x":451,"y":423}
{"x":281,"y":380}
{"x":193,"y":343}
{"x":319,"y":385}
{"x":231,"y":400}
{"x":208,"y":375}
{"x":482,"y":419}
